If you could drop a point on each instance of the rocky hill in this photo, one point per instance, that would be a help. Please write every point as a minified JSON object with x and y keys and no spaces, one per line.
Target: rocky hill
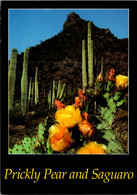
{"x":60,"y":57}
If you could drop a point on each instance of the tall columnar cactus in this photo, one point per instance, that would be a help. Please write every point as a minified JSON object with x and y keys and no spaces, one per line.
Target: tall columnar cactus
{"x":49,"y":98}
{"x":12,"y":79}
{"x":59,"y":88}
{"x":53,"y":93}
{"x":84,"y":71}
{"x":24,"y":83}
{"x":96,"y":68}
{"x":90,"y":58}
{"x":102,"y":64}
{"x":36,"y":86}
{"x":30,"y":91}
{"x":56,"y":91}
{"x":62,"y":91}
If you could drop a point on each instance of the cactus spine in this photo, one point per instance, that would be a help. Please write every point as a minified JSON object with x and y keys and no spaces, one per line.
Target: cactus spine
{"x":24,"y":82}
{"x":90,"y":58}
{"x":36,"y":86}
{"x":84,"y":73}
{"x":12,"y":78}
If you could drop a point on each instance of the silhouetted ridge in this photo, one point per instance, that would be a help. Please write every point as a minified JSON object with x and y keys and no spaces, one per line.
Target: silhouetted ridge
{"x":59,"y":58}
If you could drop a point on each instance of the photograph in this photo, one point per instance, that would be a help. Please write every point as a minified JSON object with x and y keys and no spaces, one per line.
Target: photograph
{"x":68,"y":97}
{"x":68,"y":81}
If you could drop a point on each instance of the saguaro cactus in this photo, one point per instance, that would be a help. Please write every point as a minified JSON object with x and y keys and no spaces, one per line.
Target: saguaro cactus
{"x":102,"y":64}
{"x":32,"y":94}
{"x":24,"y":82}
{"x":62,"y":91}
{"x":90,"y":58}
{"x":84,"y":72}
{"x":59,"y":88}
{"x":36,"y":86}
{"x":12,"y":78}
{"x":53,"y":93}
{"x":30,"y":90}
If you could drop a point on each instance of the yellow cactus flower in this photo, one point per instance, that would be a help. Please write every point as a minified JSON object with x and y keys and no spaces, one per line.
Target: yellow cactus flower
{"x":121,"y":81}
{"x":59,"y":138}
{"x":68,"y":116}
{"x":93,"y":148}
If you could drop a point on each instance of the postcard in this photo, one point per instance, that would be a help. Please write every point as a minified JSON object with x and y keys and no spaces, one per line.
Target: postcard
{"x":68,"y":87}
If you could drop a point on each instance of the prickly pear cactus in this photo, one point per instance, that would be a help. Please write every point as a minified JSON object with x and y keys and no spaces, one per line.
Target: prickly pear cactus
{"x":108,"y":138}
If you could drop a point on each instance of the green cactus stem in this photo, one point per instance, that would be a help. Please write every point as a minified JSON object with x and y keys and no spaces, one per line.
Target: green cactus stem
{"x":102,"y":64}
{"x":84,"y":71}
{"x":30,"y":91}
{"x":53,"y":93}
{"x":12,"y":79}
{"x":59,"y":88}
{"x":56,"y":91}
{"x":96,"y":74}
{"x":36,"y":86}
{"x":90,"y":58}
{"x":62,"y":91}
{"x":24,"y":83}
{"x":49,"y":98}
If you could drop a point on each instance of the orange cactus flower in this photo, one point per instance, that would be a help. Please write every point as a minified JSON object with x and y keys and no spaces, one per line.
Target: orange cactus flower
{"x":81,"y":96}
{"x":111,"y":75}
{"x":86,"y":129}
{"x":85,"y":116}
{"x":93,"y":148}
{"x":80,"y":93}
{"x":59,"y":105}
{"x":100,"y":77}
{"x":68,"y":116}
{"x":77,"y":102}
{"x":121,"y":81}
{"x":59,"y":138}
